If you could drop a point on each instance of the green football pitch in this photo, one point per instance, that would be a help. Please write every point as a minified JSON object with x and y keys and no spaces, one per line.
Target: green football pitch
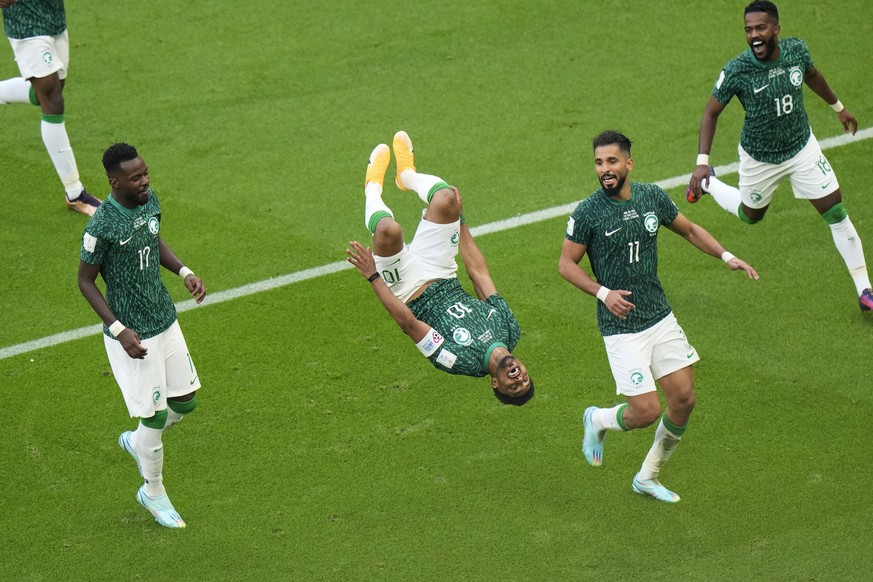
{"x":324,"y":446}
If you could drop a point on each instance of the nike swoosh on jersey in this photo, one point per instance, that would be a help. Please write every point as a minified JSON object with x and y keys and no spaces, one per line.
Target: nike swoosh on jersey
{"x":124,"y":242}
{"x":759,"y":89}
{"x":612,"y":232}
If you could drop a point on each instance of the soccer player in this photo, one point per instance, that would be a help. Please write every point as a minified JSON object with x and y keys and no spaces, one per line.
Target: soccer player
{"x":776,"y":140}
{"x":146,"y":348}
{"x":418,"y":285}
{"x":37,"y":31}
{"x":617,"y":227}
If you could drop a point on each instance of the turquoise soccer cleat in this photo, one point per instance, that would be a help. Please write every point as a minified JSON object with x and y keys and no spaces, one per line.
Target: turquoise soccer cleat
{"x":124,"y":443}
{"x":160,"y":507}
{"x":592,"y":439}
{"x":653,"y":488}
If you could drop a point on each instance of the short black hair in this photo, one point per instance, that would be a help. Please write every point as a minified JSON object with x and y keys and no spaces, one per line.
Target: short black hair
{"x":610,"y":137}
{"x":117,"y":154}
{"x":518,"y":400}
{"x":763,"y":6}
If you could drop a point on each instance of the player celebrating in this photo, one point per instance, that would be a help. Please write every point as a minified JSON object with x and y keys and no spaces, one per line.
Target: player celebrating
{"x":417,"y":283}
{"x":617,"y":227}
{"x":776,"y":140}
{"x":145,"y":345}
{"x":37,"y":31}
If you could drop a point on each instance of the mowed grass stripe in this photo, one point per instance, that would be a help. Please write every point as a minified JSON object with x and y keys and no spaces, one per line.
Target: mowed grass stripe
{"x":330,"y":268}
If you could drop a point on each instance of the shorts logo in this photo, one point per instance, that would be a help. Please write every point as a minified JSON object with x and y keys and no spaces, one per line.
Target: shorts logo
{"x":651,"y":223}
{"x":154,"y":225}
{"x":756,"y":197}
{"x":156,"y":397}
{"x":455,"y":237}
{"x":795,"y":76}
{"x":636,"y":377}
{"x":47,"y":57}
{"x":462,"y":336}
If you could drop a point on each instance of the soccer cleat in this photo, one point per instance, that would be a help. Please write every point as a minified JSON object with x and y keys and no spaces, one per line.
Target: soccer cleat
{"x":690,"y":196}
{"x":85,"y":203}
{"x":866,"y":300}
{"x":378,"y":165}
{"x":124,"y":443}
{"x":160,"y":507}
{"x":403,"y":156}
{"x":653,"y":488}
{"x":592,"y":439}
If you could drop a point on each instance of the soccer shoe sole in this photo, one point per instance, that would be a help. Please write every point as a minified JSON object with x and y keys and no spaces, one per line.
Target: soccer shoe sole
{"x":161,"y":508}
{"x":378,"y":165}
{"x":125,"y":444}
{"x":403,"y":156}
{"x":592,"y":444}
{"x":654,"y":489}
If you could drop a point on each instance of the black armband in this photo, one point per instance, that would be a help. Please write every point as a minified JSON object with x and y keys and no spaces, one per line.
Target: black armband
{"x":373,"y":277}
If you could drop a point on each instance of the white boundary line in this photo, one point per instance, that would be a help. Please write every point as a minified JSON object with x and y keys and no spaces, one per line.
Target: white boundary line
{"x":297,"y":277}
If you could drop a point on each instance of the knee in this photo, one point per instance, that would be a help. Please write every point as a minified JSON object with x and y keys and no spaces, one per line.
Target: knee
{"x":51,"y":100}
{"x":387,"y":230}
{"x":446,"y":201}
{"x":645,"y":414}
{"x":685,"y":403}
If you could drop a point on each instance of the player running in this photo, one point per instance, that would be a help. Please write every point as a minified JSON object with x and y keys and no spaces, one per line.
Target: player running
{"x":776,"y":140}
{"x":417,"y":283}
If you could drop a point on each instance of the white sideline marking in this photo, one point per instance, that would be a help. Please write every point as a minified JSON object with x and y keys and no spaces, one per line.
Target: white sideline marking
{"x":491,"y":227}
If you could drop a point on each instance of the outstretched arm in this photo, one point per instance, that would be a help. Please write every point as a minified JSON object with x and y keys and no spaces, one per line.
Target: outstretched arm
{"x":703,"y":240}
{"x":361,"y":257}
{"x":707,"y":133}
{"x":568,"y":267}
{"x":816,"y":81}
{"x":171,"y":262}
{"x":128,"y":338}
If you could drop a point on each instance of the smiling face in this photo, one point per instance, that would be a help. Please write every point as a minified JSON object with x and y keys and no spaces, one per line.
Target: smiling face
{"x":762,"y":34}
{"x":130,"y":183}
{"x":511,"y":377}
{"x":612,"y":165}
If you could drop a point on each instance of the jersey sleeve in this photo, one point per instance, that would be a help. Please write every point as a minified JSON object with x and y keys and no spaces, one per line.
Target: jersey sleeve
{"x":579,"y":226}
{"x":94,"y":246}
{"x":726,"y":86}
{"x":512,"y":331}
{"x":667,"y":209}
{"x":805,"y":57}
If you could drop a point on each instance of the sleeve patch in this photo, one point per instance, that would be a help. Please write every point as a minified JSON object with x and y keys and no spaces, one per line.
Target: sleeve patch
{"x":89,"y":243}
{"x":571,"y":223}
{"x":430,"y":343}
{"x":446,"y":358}
{"x":720,"y":80}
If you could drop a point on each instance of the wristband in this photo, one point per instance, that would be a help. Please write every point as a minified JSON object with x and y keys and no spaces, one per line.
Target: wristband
{"x":185,"y":271}
{"x":838,"y":107}
{"x":702,"y":159}
{"x":726,"y":256}
{"x":373,"y":277}
{"x":116,"y":328}
{"x":461,"y":218}
{"x":602,"y":293}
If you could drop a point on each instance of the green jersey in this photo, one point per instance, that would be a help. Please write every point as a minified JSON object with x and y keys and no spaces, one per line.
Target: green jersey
{"x":123,"y":242}
{"x":470,"y":328}
{"x":776,"y":126}
{"x":621,"y":237}
{"x":29,"y":18}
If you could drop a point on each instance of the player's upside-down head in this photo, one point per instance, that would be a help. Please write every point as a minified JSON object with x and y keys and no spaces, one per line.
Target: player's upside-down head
{"x":511,"y":383}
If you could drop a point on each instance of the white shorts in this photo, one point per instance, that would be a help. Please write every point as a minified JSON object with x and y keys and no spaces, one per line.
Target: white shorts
{"x":430,"y":255}
{"x":165,"y":372}
{"x":638,"y":359}
{"x":40,"y":56}
{"x":809,"y":171}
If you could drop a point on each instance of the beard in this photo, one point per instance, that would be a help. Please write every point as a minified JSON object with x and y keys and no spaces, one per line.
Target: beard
{"x":619,"y":184}
{"x":769,"y":49}
{"x":505,"y":362}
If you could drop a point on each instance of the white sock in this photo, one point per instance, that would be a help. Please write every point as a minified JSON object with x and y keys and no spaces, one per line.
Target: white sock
{"x":374,"y":204}
{"x":421,"y":184}
{"x":54,"y":136}
{"x":14,"y":90}
{"x":148,"y":445}
{"x":727,"y":196}
{"x":663,"y":446}
{"x":607,"y":418}
{"x":849,"y":244}
{"x":173,"y":418}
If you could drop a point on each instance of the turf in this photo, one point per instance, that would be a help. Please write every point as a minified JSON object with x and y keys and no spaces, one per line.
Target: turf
{"x":324,"y":448}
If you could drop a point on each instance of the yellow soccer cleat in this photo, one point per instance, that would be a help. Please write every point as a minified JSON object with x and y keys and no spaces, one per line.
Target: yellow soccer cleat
{"x":403,"y":156}
{"x":378,"y":165}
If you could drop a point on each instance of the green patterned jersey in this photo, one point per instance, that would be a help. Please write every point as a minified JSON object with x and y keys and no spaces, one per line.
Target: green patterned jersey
{"x":29,"y":18}
{"x":471,"y":328}
{"x":123,"y":242}
{"x":621,"y":237}
{"x":776,"y":126}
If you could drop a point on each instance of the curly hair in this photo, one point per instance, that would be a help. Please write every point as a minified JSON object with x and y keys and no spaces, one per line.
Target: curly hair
{"x":117,"y":154}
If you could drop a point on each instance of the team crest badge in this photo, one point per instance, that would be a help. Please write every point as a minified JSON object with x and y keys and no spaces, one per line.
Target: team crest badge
{"x":651,"y":223}
{"x":156,"y":396}
{"x":636,"y":377}
{"x":795,"y":76}
{"x":47,"y":58}
{"x":154,"y":225}
{"x":462,"y":336}
{"x":456,"y":237}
